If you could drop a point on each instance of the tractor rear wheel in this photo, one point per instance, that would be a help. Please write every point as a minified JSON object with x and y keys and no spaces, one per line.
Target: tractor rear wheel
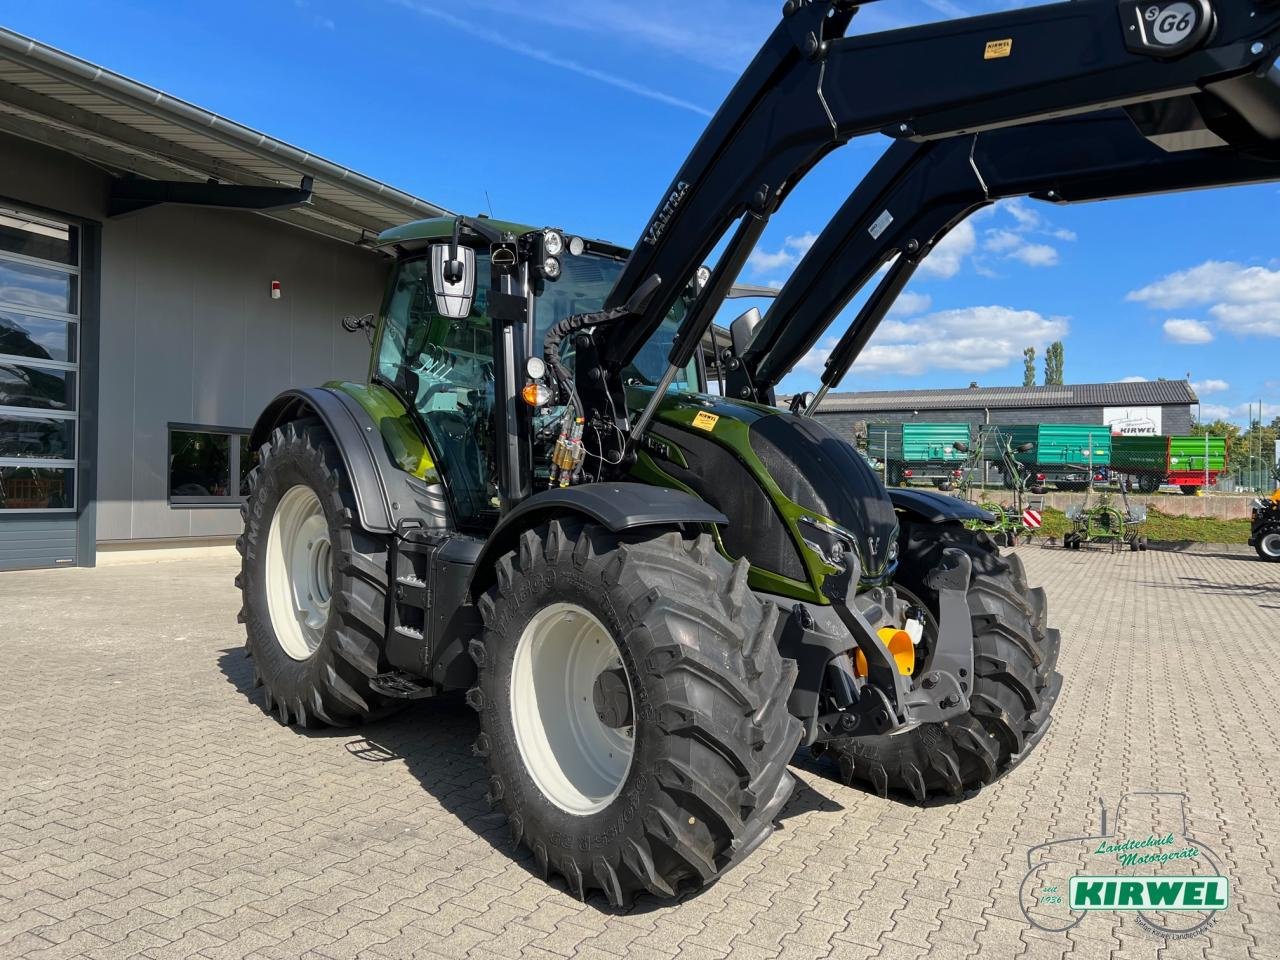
{"x":1014,"y":688}
{"x":313,"y":584}
{"x":633,"y":708}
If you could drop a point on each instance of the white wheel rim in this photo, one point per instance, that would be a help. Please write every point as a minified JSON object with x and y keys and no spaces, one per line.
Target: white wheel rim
{"x":578,"y":762}
{"x":299,"y":572}
{"x":1271,"y":544}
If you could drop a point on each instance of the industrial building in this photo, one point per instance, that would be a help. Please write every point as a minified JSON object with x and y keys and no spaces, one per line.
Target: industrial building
{"x":164,"y":272}
{"x":1141,"y":407}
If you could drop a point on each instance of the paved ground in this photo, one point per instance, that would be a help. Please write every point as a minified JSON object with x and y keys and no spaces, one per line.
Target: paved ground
{"x":148,"y":806}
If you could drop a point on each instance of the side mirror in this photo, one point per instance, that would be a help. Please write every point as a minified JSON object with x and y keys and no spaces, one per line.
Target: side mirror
{"x":743,"y":330}
{"x":1025,"y":447}
{"x":454,"y":280}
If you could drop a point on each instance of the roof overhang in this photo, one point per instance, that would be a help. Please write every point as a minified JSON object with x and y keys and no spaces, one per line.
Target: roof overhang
{"x":134,"y":131}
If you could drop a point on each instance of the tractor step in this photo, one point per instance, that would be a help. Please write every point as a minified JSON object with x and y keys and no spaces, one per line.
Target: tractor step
{"x":401,"y":686}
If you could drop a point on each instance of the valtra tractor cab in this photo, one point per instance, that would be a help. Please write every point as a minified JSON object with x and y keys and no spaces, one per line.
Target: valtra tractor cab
{"x":653,"y":595}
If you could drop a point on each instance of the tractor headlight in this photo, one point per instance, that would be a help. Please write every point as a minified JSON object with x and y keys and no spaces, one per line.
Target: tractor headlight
{"x":551,"y":267}
{"x":552,"y":243}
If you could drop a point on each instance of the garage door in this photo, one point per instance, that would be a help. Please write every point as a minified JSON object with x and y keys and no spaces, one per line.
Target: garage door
{"x":39,"y":389}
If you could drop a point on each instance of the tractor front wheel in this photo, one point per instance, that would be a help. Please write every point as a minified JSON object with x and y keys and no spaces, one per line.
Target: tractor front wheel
{"x":633,"y":708}
{"x":1268,"y":543}
{"x":313,"y":584}
{"x":1014,"y":688}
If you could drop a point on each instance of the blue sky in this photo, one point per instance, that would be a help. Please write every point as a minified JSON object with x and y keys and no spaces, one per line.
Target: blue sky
{"x":577,"y":113}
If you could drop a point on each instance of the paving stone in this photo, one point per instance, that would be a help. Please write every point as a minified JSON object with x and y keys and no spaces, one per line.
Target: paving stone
{"x":154,"y":809}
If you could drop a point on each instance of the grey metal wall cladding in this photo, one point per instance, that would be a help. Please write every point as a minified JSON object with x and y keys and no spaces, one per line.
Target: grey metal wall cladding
{"x":29,"y":542}
{"x":190,"y":334}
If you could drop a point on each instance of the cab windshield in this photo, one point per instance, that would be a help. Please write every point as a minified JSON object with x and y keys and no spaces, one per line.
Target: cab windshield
{"x":583,"y":284}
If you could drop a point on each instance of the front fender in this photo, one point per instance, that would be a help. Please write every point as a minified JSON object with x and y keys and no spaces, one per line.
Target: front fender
{"x":931,"y":507}
{"x":615,"y":506}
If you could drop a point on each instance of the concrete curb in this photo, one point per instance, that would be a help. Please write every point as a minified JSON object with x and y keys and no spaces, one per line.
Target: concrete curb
{"x":1187,"y":546}
{"x":1179,"y":546}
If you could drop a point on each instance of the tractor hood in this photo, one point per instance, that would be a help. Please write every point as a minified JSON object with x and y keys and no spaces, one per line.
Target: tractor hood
{"x":771,"y":473}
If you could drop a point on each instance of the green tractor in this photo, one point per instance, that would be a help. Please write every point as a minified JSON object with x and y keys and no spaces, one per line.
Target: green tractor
{"x":651,"y":593}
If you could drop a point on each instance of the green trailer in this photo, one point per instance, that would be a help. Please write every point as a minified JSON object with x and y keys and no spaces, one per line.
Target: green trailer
{"x":1152,"y":461}
{"x":1068,"y":455}
{"x":919,"y":451}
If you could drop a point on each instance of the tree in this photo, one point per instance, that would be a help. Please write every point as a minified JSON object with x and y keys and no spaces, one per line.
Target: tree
{"x":1053,"y":361}
{"x":1218,"y":428}
{"x":1029,"y":367}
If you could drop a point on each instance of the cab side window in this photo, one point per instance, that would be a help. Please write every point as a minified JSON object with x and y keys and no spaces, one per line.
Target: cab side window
{"x":444,"y":367}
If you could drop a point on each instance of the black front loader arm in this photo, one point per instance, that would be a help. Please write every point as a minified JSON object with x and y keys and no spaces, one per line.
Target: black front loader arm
{"x":919,"y":191}
{"x":811,"y":89}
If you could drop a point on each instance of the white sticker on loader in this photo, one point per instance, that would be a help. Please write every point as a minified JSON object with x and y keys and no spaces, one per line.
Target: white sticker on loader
{"x":880,"y":225}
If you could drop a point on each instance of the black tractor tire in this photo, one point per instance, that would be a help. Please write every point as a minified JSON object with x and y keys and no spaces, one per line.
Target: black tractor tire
{"x":1015,"y":684}
{"x":1149,"y":484}
{"x":1189,"y":489}
{"x":331,"y":686}
{"x":1267,"y":543}
{"x":712,"y":733}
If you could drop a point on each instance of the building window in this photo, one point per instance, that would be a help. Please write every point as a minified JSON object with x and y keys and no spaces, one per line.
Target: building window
{"x":208,"y":466}
{"x":39,"y":362}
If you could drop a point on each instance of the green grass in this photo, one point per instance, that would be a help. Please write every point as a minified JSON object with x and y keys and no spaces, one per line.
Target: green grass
{"x":1161,"y":526}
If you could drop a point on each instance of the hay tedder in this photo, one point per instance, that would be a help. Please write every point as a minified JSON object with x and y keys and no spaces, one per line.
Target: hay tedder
{"x":652,"y":595}
{"x":1105,"y":522}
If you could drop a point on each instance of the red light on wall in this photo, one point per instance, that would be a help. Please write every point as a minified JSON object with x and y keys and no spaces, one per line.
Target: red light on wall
{"x":275,"y":289}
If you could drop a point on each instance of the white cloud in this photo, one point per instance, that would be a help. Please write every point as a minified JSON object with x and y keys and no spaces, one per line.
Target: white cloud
{"x":1244,"y":300}
{"x":517,"y":46}
{"x":1256,"y":319}
{"x":970,"y":339}
{"x":1036,"y":255}
{"x":1021,"y":240}
{"x":1213,"y":280}
{"x":661,"y":25}
{"x":1133,"y":379}
{"x":1214,"y":411}
{"x":910,"y":303}
{"x":792,"y":249}
{"x":945,"y":259}
{"x":1001,"y":241}
{"x":1016,"y":207}
{"x":1240,"y":412}
{"x":1210,"y":386}
{"x":1187,"y":331}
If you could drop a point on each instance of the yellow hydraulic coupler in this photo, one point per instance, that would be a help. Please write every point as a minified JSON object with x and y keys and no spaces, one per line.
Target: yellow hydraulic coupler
{"x":900,"y":647}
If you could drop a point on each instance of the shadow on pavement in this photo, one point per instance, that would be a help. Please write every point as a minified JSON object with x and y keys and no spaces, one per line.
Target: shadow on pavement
{"x":433,"y":738}
{"x":1268,"y":589}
